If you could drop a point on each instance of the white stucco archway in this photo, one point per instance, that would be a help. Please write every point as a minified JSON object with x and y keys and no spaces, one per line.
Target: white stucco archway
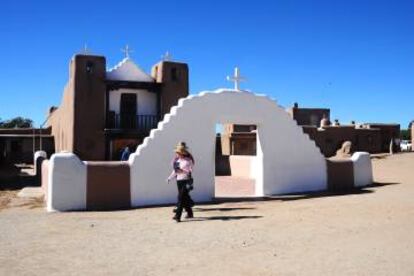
{"x":287,"y":160}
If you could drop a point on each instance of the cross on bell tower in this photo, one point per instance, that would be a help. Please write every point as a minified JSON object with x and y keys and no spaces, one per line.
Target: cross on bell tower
{"x":236,"y":78}
{"x":85,"y":50}
{"x":167,"y":56}
{"x":127,"y":51}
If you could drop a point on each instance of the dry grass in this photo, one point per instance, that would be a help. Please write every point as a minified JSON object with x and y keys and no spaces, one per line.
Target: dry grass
{"x":30,"y":203}
{"x":9,"y":199}
{"x":6,"y":197}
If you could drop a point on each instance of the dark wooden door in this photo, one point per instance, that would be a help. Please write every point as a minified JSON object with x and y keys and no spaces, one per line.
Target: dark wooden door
{"x":128,"y":110}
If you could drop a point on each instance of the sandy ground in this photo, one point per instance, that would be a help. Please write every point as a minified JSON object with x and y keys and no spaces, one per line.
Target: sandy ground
{"x":229,"y":187}
{"x":367,"y":232}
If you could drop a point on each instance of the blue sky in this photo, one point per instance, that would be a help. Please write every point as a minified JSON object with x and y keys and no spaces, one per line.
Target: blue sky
{"x":355,"y":57}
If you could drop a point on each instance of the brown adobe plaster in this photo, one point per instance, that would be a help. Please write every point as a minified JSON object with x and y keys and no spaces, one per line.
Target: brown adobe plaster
{"x":108,"y":186}
{"x":340,"y":174}
{"x":78,"y":123}
{"x":90,"y":99}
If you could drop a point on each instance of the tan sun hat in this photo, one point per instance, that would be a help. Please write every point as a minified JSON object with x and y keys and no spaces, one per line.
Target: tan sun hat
{"x":181,"y":148}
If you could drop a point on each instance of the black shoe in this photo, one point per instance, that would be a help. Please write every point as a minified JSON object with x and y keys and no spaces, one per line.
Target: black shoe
{"x":189,"y":216}
{"x":177,"y":219}
{"x":175,"y":210}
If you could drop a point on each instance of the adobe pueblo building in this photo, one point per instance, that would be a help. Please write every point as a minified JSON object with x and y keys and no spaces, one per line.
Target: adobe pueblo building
{"x":17,"y":145}
{"x":329,"y":137}
{"x":102,"y":111}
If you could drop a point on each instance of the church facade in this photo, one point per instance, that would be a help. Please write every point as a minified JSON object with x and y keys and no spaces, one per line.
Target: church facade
{"x":103,"y":111}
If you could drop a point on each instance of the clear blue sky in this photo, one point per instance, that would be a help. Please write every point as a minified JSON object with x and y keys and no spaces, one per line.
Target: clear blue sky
{"x":353,"y":56}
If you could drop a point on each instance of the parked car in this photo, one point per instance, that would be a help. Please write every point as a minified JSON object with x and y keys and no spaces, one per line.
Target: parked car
{"x":405,"y":145}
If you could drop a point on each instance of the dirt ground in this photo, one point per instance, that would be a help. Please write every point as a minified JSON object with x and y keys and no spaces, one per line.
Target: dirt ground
{"x":366,"y":232}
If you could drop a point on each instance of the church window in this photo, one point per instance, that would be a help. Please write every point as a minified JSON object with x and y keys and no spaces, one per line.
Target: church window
{"x":174,"y":74}
{"x":89,"y":67}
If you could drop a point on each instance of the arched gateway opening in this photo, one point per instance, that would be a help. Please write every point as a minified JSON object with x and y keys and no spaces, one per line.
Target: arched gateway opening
{"x":287,"y":160}
{"x":236,"y":161}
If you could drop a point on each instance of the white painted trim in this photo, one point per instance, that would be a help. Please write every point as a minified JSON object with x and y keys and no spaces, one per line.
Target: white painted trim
{"x":38,"y":154}
{"x":362,"y":169}
{"x":67,"y":183}
{"x":127,"y":70}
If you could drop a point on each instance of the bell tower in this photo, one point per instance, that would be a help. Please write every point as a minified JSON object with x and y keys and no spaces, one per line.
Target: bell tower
{"x":173,"y":77}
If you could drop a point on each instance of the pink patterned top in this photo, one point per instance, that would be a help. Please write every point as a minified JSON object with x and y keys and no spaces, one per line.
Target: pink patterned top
{"x":184,"y":166}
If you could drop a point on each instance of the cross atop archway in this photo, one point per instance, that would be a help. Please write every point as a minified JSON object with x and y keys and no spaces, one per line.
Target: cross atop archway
{"x":236,"y":78}
{"x":127,"y":51}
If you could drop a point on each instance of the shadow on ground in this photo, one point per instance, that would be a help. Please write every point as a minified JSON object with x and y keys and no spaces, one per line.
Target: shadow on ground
{"x":222,"y":200}
{"x":12,"y":177}
{"x":379,"y":156}
{"x":222,"y":218}
{"x":198,"y":209}
{"x":299,"y":196}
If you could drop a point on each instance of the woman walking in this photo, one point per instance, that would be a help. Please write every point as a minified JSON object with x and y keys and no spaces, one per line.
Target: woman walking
{"x":182,"y":170}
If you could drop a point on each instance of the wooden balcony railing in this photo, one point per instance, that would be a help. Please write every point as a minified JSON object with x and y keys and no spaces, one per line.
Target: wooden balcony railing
{"x":127,"y":121}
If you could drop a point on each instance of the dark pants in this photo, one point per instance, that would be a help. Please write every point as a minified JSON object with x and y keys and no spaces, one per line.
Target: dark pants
{"x":184,"y":199}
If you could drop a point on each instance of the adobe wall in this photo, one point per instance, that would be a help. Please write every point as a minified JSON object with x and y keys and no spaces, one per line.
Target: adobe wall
{"x":70,"y":184}
{"x":349,"y":173}
{"x":104,"y":179}
{"x":280,"y":155}
{"x":303,"y":116}
{"x":388,"y":132}
{"x":340,"y":174}
{"x":330,"y":139}
{"x":241,"y":166}
{"x":61,"y":119}
{"x":243,"y":143}
{"x":24,"y":152}
{"x":362,"y":167}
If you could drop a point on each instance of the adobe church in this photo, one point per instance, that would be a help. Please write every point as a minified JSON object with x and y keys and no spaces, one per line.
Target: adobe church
{"x":103,"y":111}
